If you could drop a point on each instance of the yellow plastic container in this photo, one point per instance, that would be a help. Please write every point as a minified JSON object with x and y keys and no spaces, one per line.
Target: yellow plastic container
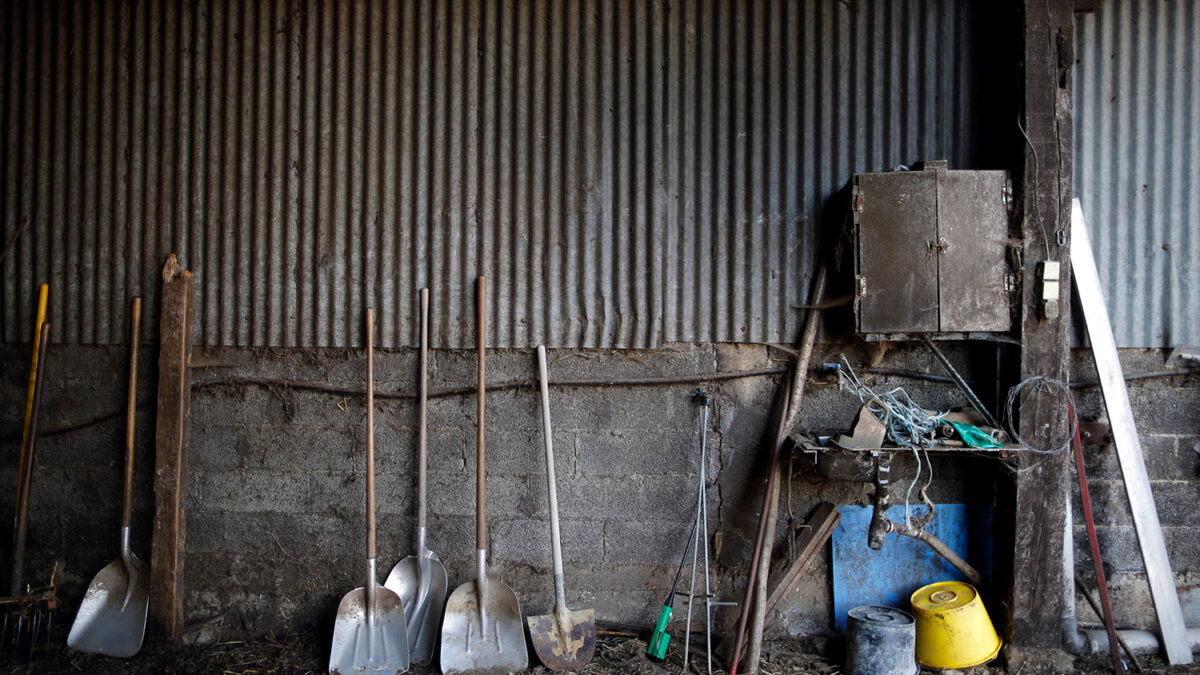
{"x":953,"y":628}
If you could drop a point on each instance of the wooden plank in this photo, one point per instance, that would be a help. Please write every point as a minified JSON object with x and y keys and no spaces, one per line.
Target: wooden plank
{"x":171,"y":450}
{"x":1129,"y":448}
{"x":810,"y":542}
{"x":1039,"y":517}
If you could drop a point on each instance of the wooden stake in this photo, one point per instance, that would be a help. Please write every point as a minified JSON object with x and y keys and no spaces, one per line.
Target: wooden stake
{"x":171,"y":450}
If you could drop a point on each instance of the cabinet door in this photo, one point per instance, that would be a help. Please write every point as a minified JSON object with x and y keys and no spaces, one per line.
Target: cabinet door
{"x":973,"y":238}
{"x":897,"y":260}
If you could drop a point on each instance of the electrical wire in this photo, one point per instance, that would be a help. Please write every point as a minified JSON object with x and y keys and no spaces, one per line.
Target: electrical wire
{"x":1039,"y":386}
{"x":907,"y":423}
{"x":323,"y":388}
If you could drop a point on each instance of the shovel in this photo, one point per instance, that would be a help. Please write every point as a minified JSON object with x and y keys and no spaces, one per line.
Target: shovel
{"x":482,"y":632}
{"x":112,"y":617}
{"x":369,"y":634}
{"x":420,"y":580}
{"x":563,"y":640}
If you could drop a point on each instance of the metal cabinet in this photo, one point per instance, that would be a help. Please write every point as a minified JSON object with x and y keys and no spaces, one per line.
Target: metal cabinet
{"x":931,"y":251}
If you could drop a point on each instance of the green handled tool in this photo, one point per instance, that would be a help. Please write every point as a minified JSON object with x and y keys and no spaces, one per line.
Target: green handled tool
{"x":660,"y":639}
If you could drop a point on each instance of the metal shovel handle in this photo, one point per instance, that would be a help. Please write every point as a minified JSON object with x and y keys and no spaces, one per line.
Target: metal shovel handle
{"x":131,"y":420}
{"x":370,"y":434}
{"x":481,"y":465}
{"x":422,"y":412}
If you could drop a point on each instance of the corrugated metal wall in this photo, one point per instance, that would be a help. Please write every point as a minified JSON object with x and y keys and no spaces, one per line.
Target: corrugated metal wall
{"x":627,"y":173}
{"x":1137,"y":164}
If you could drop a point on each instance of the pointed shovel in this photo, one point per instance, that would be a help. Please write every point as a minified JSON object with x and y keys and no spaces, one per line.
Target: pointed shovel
{"x":565,"y":639}
{"x":420,"y":579}
{"x":482,"y":632}
{"x":112,"y":617}
{"x":369,"y":634}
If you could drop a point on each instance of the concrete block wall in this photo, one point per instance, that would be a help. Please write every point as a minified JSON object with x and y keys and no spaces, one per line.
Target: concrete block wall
{"x":275,"y":494}
{"x":1167,"y":414}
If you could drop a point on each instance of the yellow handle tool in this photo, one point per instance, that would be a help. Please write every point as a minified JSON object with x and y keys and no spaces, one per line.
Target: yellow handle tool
{"x":37,"y":340}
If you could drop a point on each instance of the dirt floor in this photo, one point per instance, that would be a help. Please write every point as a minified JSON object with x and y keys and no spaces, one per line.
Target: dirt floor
{"x":614,"y":654}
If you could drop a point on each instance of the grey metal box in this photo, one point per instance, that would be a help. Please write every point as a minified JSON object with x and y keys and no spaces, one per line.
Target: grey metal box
{"x":930,"y":251}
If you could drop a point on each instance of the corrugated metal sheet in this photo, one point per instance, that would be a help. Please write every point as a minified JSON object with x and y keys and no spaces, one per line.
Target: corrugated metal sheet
{"x":1137,"y":164}
{"x":627,"y":173}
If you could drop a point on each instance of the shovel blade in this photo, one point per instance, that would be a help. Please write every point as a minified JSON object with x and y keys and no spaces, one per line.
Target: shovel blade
{"x":564,"y":641}
{"x":112,"y":617}
{"x":423,"y":620}
{"x":494,"y":645}
{"x":379,"y":646}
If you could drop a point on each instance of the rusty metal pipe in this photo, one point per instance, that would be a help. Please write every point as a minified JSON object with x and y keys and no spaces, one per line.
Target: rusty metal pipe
{"x":941,"y":549}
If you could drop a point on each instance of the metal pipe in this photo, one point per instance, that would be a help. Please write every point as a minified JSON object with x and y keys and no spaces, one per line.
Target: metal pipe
{"x":1074,"y":641}
{"x":941,"y":549}
{"x":1140,"y":641}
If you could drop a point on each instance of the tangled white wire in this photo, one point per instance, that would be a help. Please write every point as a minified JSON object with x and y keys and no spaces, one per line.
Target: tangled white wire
{"x":908,"y":426}
{"x":1039,"y":386}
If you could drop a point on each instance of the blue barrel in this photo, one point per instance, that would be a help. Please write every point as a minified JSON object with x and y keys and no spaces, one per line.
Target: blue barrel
{"x":880,"y":641}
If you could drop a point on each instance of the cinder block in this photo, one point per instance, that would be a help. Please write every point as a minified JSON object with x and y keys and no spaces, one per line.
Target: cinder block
{"x":396,"y":370}
{"x":606,"y":497}
{"x":598,"y":410}
{"x":1166,"y":409}
{"x":453,"y":412}
{"x":334,"y":410}
{"x":523,"y":451}
{"x":396,"y":494}
{"x":1110,"y":505}
{"x":250,"y":405}
{"x":595,"y":364}
{"x":450,"y":450}
{"x":453,"y":539}
{"x":454,"y":494}
{"x":395,"y":447}
{"x":1118,"y":547}
{"x":528,"y":540}
{"x":653,"y":542}
{"x":253,"y":491}
{"x":623,"y":452}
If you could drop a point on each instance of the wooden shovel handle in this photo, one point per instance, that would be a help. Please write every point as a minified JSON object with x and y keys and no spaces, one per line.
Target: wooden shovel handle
{"x":481,"y":465}
{"x":135,"y":332}
{"x":26,"y":468}
{"x":370,"y":433}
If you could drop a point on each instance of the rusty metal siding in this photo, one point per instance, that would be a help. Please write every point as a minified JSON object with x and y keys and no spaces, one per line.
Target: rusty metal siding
{"x":1137,"y":164}
{"x":627,"y":173}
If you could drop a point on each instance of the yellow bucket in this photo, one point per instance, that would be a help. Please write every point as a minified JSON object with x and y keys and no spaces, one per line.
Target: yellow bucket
{"x":953,"y":628}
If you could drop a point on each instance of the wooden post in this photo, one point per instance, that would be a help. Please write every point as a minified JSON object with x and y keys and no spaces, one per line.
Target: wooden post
{"x":1036,"y":601}
{"x":171,"y":450}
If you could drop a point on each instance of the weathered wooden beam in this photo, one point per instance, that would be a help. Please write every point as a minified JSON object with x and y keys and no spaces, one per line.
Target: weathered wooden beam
{"x":1036,"y":600}
{"x":171,"y":451}
{"x":810,"y":542}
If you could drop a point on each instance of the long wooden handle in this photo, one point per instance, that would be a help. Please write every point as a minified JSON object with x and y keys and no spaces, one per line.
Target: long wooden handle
{"x":481,"y":464}
{"x":422,"y":409}
{"x":370,"y":433}
{"x":131,"y":413}
{"x":43,"y":293}
{"x":26,"y":469}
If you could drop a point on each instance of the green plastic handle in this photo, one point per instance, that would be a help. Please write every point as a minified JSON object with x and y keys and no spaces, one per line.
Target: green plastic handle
{"x":660,"y":639}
